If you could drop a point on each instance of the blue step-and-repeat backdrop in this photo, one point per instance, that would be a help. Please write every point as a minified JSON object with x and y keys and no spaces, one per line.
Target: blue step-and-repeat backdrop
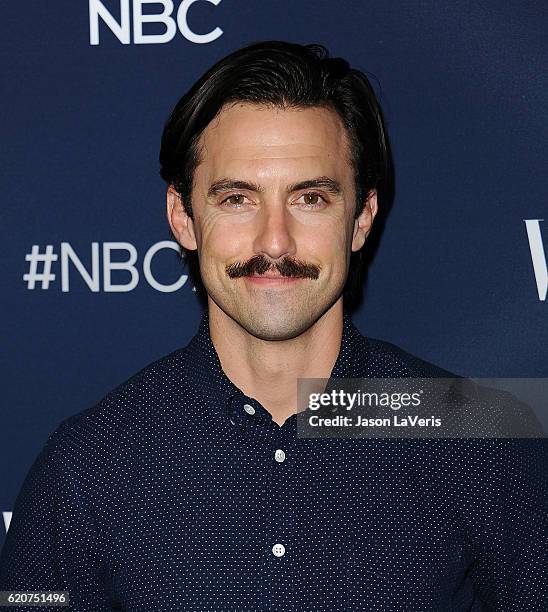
{"x":93,"y":289}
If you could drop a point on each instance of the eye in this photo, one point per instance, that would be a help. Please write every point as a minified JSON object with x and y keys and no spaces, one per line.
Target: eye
{"x":313,"y":199}
{"x":234,"y":201}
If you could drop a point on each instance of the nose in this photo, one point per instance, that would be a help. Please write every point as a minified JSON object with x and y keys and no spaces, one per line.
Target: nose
{"x":274,"y":236}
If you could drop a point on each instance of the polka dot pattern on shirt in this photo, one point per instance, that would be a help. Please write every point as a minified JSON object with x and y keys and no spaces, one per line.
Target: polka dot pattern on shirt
{"x":179,"y":492}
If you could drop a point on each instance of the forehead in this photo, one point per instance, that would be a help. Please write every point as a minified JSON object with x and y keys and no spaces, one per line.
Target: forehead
{"x":273,"y":141}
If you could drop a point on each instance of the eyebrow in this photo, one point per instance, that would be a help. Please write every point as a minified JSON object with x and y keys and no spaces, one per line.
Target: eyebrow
{"x":321,"y":182}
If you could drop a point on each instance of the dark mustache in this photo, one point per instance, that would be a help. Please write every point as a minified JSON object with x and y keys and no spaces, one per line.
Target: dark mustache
{"x":259,"y":264}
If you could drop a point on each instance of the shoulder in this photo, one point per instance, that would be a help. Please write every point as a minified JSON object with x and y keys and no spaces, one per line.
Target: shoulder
{"x":124,"y":413}
{"x":396,"y":361}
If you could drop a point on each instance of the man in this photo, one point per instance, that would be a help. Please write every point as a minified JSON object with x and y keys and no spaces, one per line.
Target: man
{"x":187,"y":487}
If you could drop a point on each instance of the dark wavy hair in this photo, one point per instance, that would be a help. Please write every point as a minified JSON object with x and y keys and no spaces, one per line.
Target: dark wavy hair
{"x":284,"y":75}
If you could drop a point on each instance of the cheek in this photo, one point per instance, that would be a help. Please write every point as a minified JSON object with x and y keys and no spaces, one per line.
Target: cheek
{"x":222,"y":242}
{"x":329,"y":244}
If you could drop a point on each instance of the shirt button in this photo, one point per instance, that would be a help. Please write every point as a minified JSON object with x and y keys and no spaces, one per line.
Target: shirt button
{"x":279,"y":455}
{"x":278,"y":550}
{"x":249,"y":409}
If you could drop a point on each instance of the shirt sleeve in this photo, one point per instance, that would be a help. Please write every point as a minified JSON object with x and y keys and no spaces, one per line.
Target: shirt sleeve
{"x":51,"y":544}
{"x":509,"y":566}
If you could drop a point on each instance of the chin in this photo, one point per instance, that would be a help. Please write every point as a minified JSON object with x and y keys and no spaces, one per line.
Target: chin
{"x":275,"y":319}
{"x":277,"y":326}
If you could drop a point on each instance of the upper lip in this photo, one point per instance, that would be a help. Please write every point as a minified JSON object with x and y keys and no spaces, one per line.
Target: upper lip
{"x":271,"y":275}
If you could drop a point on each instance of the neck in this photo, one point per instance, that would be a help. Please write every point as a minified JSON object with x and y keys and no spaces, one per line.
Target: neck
{"x":267,"y":370}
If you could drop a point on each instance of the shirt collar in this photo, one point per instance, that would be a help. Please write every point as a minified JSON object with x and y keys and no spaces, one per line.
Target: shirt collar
{"x":206,"y":378}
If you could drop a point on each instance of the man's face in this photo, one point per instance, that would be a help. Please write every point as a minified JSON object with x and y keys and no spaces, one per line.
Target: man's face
{"x":243,"y":231}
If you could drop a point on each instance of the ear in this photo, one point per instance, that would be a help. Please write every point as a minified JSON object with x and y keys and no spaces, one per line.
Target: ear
{"x":181,"y":224}
{"x":364,"y":223}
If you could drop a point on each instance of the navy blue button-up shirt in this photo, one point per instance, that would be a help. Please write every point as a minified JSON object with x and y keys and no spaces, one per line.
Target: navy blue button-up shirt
{"x":179,"y":492}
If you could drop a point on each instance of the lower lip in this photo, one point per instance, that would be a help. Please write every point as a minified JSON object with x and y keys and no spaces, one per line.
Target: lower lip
{"x":276,"y":280}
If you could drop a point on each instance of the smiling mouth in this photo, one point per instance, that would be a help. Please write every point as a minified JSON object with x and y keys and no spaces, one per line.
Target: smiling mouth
{"x":272,"y":278}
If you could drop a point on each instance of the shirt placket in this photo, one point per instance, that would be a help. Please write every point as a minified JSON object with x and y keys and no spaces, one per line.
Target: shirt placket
{"x":276,"y":451}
